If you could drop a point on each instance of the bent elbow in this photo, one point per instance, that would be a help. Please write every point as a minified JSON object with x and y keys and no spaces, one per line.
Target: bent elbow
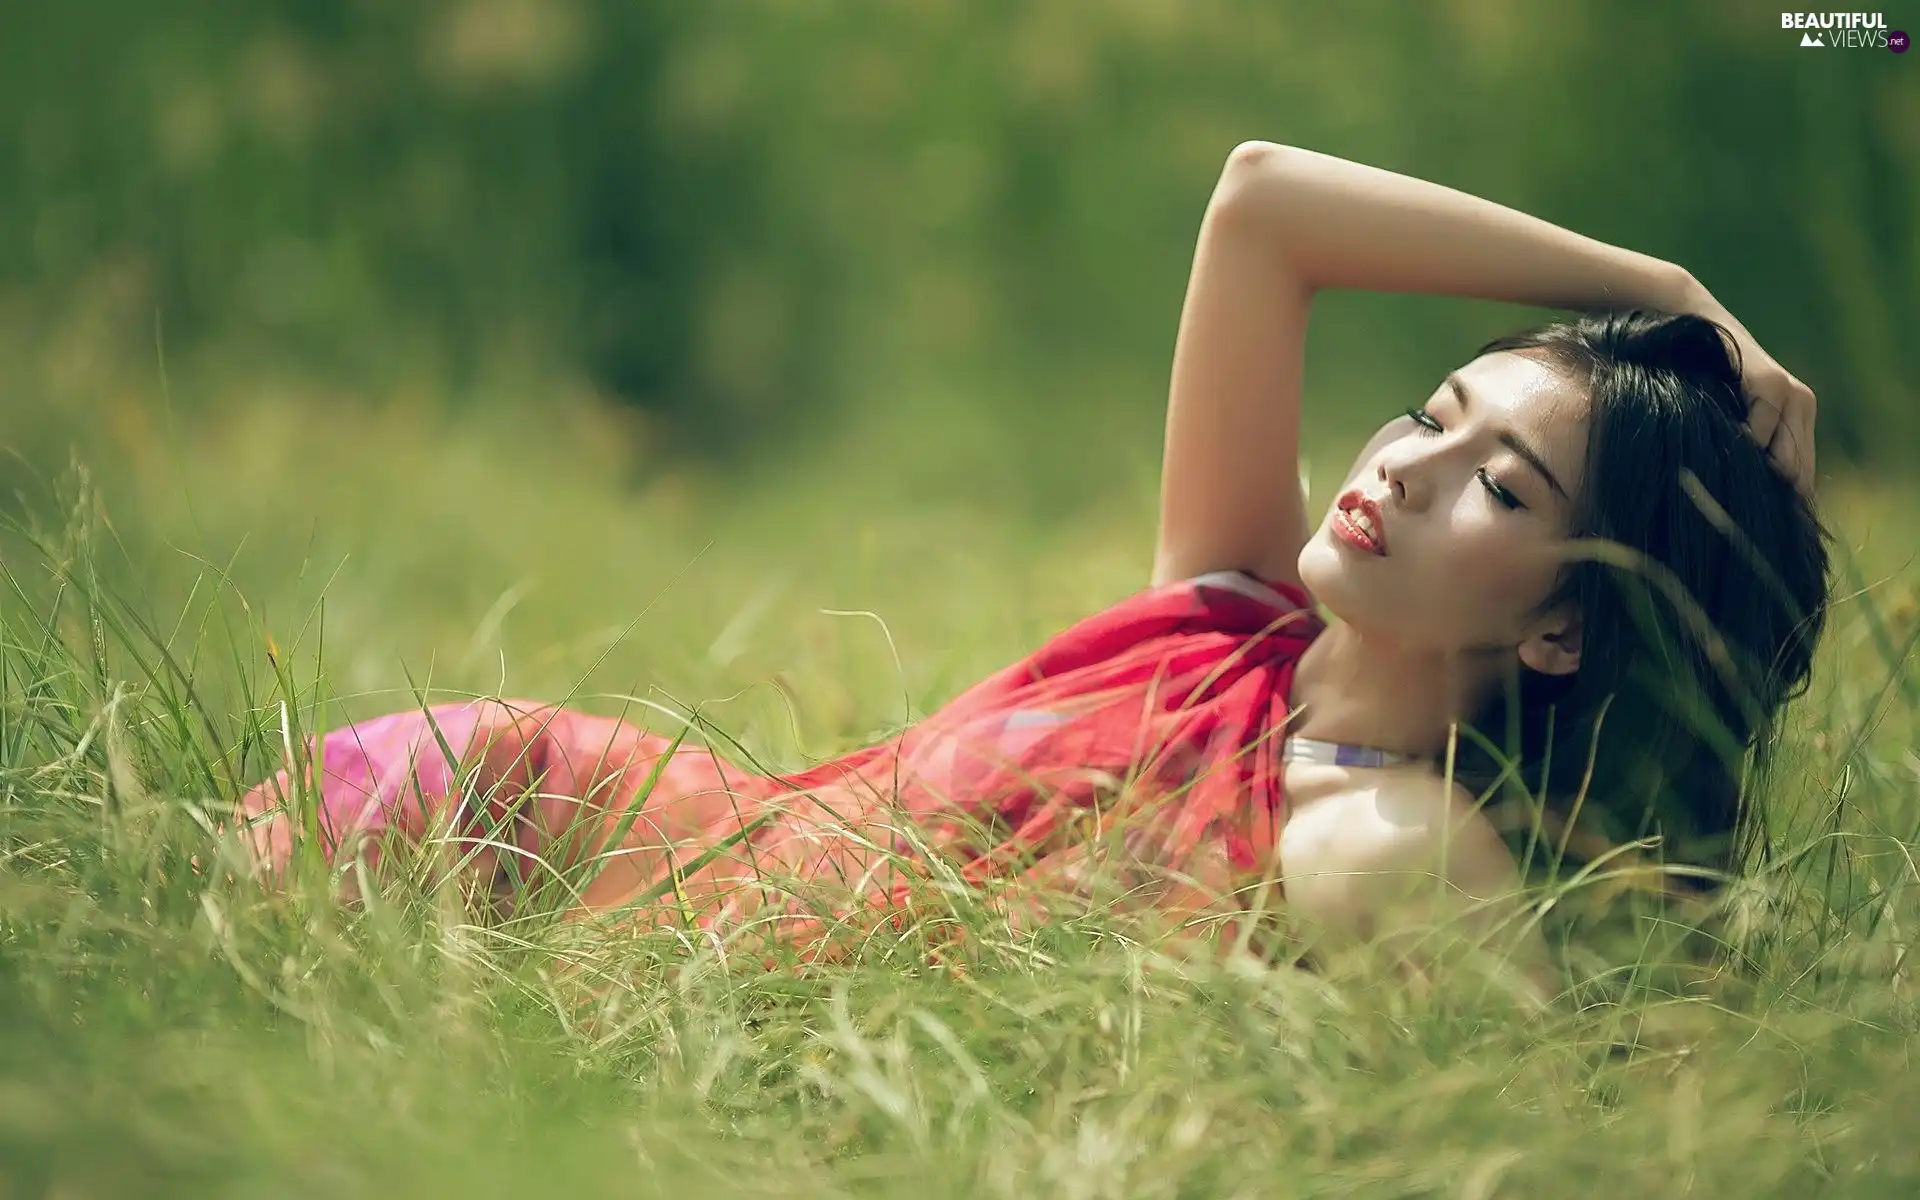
{"x":1244,"y":196}
{"x":1253,"y":156}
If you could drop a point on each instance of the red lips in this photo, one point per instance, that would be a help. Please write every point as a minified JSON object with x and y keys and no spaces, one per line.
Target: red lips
{"x":1356,"y":499}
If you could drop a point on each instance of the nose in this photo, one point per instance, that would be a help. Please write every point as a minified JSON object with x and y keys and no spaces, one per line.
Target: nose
{"x":1395,"y":484}
{"x":1402,"y":479}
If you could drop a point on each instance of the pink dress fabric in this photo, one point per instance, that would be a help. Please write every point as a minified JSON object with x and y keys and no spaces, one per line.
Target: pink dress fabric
{"x":1137,"y":749}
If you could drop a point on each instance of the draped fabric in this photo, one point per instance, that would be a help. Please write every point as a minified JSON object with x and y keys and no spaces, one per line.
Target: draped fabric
{"x":1138,"y":751}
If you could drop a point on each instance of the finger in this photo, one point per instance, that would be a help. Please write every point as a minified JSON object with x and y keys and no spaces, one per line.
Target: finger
{"x":1781,"y":453}
{"x":1799,"y":419}
{"x":1803,"y":447}
{"x":1792,"y":451}
{"x":1763,"y":419}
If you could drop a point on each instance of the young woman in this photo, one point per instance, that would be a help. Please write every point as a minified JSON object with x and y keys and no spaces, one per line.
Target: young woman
{"x":1586,"y":563}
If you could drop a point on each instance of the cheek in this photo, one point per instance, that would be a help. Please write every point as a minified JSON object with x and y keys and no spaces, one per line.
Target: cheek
{"x":1487,"y":573}
{"x":1461,"y":579}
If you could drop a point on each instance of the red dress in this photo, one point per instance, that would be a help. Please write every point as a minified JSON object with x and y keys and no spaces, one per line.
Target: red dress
{"x":1138,"y":748}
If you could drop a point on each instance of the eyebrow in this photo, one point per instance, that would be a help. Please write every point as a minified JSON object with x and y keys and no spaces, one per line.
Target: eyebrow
{"x":1510,"y":439}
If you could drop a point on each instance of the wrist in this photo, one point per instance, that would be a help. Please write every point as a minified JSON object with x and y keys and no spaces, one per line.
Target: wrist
{"x":1679,"y":292}
{"x":1630,"y":279}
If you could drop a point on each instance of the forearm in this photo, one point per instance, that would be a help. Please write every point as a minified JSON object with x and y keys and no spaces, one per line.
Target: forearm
{"x":1340,"y":224}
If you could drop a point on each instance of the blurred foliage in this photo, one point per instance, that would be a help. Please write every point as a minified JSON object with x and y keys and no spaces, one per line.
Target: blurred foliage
{"x":747,"y":218}
{"x":335,"y":296}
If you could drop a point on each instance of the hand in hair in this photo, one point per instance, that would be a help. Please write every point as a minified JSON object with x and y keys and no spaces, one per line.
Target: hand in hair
{"x":1782,"y":408}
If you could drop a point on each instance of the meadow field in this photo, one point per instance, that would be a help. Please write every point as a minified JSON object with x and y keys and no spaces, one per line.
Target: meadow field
{"x":176,"y":1028}
{"x":801,"y":362}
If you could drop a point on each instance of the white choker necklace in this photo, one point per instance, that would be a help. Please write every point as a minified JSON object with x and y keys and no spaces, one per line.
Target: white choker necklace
{"x":1339,"y":754}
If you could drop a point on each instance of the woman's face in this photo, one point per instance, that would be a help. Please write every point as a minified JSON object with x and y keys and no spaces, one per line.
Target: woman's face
{"x":1470,"y":505}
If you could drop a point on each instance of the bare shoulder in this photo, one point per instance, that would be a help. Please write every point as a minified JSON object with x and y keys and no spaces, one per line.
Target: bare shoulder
{"x":1393,"y":842}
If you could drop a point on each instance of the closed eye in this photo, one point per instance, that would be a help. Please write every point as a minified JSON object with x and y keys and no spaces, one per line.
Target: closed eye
{"x":1429,"y":424}
{"x":1426,"y":420}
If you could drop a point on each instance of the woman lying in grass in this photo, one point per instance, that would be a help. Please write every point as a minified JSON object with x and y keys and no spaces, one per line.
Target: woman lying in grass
{"x":1592,"y":546}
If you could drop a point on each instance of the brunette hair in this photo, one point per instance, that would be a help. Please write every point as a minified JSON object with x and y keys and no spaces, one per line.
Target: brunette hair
{"x":1701,"y":600}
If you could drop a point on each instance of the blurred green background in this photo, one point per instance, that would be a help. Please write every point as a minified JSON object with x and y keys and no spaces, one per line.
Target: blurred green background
{"x":430,"y":304}
{"x":746,"y":218}
{"x":807,"y":361}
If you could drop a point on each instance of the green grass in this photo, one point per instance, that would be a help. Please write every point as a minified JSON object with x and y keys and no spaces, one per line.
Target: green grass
{"x":171,"y":1028}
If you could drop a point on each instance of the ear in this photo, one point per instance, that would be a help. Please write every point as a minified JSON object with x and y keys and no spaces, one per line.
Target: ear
{"x":1554,"y":648}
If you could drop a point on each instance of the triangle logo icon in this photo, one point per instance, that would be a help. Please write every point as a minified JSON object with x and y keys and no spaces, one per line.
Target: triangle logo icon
{"x":1811,"y":39}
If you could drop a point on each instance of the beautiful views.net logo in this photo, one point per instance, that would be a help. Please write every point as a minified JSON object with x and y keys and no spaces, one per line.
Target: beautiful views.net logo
{"x":1853,"y":31}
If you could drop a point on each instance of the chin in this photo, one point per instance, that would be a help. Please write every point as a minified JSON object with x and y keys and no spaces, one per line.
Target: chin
{"x":1326,"y":576}
{"x":1357,"y":597}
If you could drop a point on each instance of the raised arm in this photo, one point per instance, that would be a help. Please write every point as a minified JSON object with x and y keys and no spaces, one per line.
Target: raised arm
{"x":1283,"y":224}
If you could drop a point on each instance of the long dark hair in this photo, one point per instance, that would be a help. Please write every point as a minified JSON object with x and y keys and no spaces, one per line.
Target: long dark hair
{"x":1701,"y":601}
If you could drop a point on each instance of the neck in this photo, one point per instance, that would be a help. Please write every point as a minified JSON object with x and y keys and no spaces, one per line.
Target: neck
{"x":1365,"y":691}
